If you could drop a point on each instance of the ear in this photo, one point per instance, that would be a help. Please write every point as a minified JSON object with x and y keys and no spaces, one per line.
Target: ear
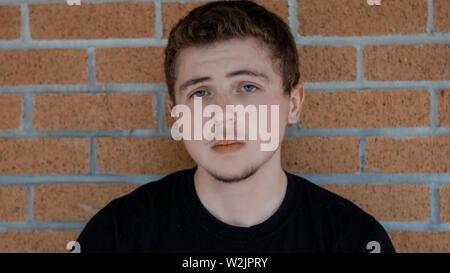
{"x":169,"y":104}
{"x":296,"y":99}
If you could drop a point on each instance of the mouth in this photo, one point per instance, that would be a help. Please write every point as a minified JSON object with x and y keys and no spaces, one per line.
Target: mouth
{"x":227,"y":146}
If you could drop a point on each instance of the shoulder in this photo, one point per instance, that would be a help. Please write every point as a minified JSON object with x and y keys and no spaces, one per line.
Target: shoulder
{"x":323,"y":199}
{"x":118,"y":225}
{"x":152,"y":195}
{"x":352,"y":228}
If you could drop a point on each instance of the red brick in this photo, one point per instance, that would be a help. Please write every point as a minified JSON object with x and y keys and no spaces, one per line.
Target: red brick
{"x":420,"y":241}
{"x":130,"y":65}
{"x":13,"y":203}
{"x":320,"y":154}
{"x":327,"y":63}
{"x":94,"y":112}
{"x":92,"y":21}
{"x":357,"y":18}
{"x":43,"y":66}
{"x":427,"y":62}
{"x":444,"y":108}
{"x":9,"y":22}
{"x":75,"y":202}
{"x":415,"y":154}
{"x":142,"y":155}
{"x":37,"y":241}
{"x":10,"y":112}
{"x":173,"y":12}
{"x":388,"y":202}
{"x":441,"y":16}
{"x":44,"y":156}
{"x":444,"y":198}
{"x":366,"y":109}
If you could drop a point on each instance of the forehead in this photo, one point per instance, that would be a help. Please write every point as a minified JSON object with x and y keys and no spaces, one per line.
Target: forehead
{"x":220,"y":58}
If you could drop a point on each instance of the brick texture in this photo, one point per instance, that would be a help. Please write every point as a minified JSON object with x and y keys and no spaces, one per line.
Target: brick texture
{"x":320,"y":154}
{"x":374,"y":109}
{"x":420,"y":241}
{"x":427,"y":62}
{"x":69,"y":94}
{"x":357,"y":18}
{"x":94,"y":112}
{"x":44,"y":156}
{"x":427,"y":154}
{"x":130,"y":65}
{"x":37,"y":241}
{"x":92,"y":21}
{"x":142,"y":155}
{"x":173,"y":12}
{"x":444,"y":108}
{"x":388,"y":202}
{"x":327,"y":63}
{"x":43,"y":66}
{"x":77,"y":202}
{"x":10,"y":112}
{"x":441,"y":16}
{"x":444,"y":197}
{"x":13,"y":203}
{"x":9,"y":22}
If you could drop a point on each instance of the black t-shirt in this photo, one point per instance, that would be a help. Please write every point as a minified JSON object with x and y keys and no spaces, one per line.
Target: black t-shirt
{"x":167,"y":216}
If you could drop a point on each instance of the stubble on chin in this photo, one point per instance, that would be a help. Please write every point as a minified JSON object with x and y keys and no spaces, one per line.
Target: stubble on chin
{"x":234,"y":178}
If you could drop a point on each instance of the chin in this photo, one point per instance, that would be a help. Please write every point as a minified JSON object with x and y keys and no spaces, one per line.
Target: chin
{"x":231,"y":170}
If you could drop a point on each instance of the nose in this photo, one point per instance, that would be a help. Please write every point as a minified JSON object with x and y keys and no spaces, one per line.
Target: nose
{"x":229,"y":117}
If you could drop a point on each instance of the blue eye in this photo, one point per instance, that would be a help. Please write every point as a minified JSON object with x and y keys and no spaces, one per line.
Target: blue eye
{"x":200,"y":93}
{"x":249,"y":90}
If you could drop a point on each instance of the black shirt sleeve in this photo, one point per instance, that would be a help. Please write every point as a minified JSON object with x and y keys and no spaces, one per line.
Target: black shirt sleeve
{"x":366,"y":236}
{"x":381,"y":243}
{"x":99,"y":234}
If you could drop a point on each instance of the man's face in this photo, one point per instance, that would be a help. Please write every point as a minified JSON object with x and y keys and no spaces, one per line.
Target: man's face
{"x":222,"y":65}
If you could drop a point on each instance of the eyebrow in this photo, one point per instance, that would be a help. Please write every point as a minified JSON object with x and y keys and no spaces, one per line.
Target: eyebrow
{"x":248,"y":72}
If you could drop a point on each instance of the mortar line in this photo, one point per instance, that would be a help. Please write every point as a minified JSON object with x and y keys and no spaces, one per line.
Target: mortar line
{"x":415,"y":226}
{"x":83,"y":43}
{"x":16,"y":2}
{"x":433,"y":108}
{"x":28,"y":108}
{"x":402,"y":133}
{"x":161,"y":111}
{"x":430,"y":17}
{"x":158,"y":19}
{"x":25,"y":35}
{"x":434,"y":205}
{"x":99,"y":88}
{"x":132,"y":133}
{"x":362,"y":154}
{"x":300,"y":41}
{"x":30,"y":202}
{"x":158,"y":87}
{"x":333,"y":178}
{"x":92,"y":156}
{"x":91,"y":67}
{"x":293,"y":18}
{"x":359,"y":64}
{"x":79,"y":225}
{"x":405,"y":39}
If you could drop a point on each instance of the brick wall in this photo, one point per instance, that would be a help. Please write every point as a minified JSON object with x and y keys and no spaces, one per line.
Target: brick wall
{"x":83,"y":118}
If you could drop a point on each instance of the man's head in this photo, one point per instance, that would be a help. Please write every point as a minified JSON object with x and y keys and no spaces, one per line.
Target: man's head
{"x":224,"y":20}
{"x":234,"y":53}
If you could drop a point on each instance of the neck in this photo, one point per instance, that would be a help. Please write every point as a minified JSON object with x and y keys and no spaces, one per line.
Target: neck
{"x":247,"y":202}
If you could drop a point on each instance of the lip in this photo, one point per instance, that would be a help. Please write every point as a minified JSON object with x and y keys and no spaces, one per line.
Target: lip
{"x":227,"y":146}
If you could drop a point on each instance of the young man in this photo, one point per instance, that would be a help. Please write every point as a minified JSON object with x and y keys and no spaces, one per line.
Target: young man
{"x":237,"y":198}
